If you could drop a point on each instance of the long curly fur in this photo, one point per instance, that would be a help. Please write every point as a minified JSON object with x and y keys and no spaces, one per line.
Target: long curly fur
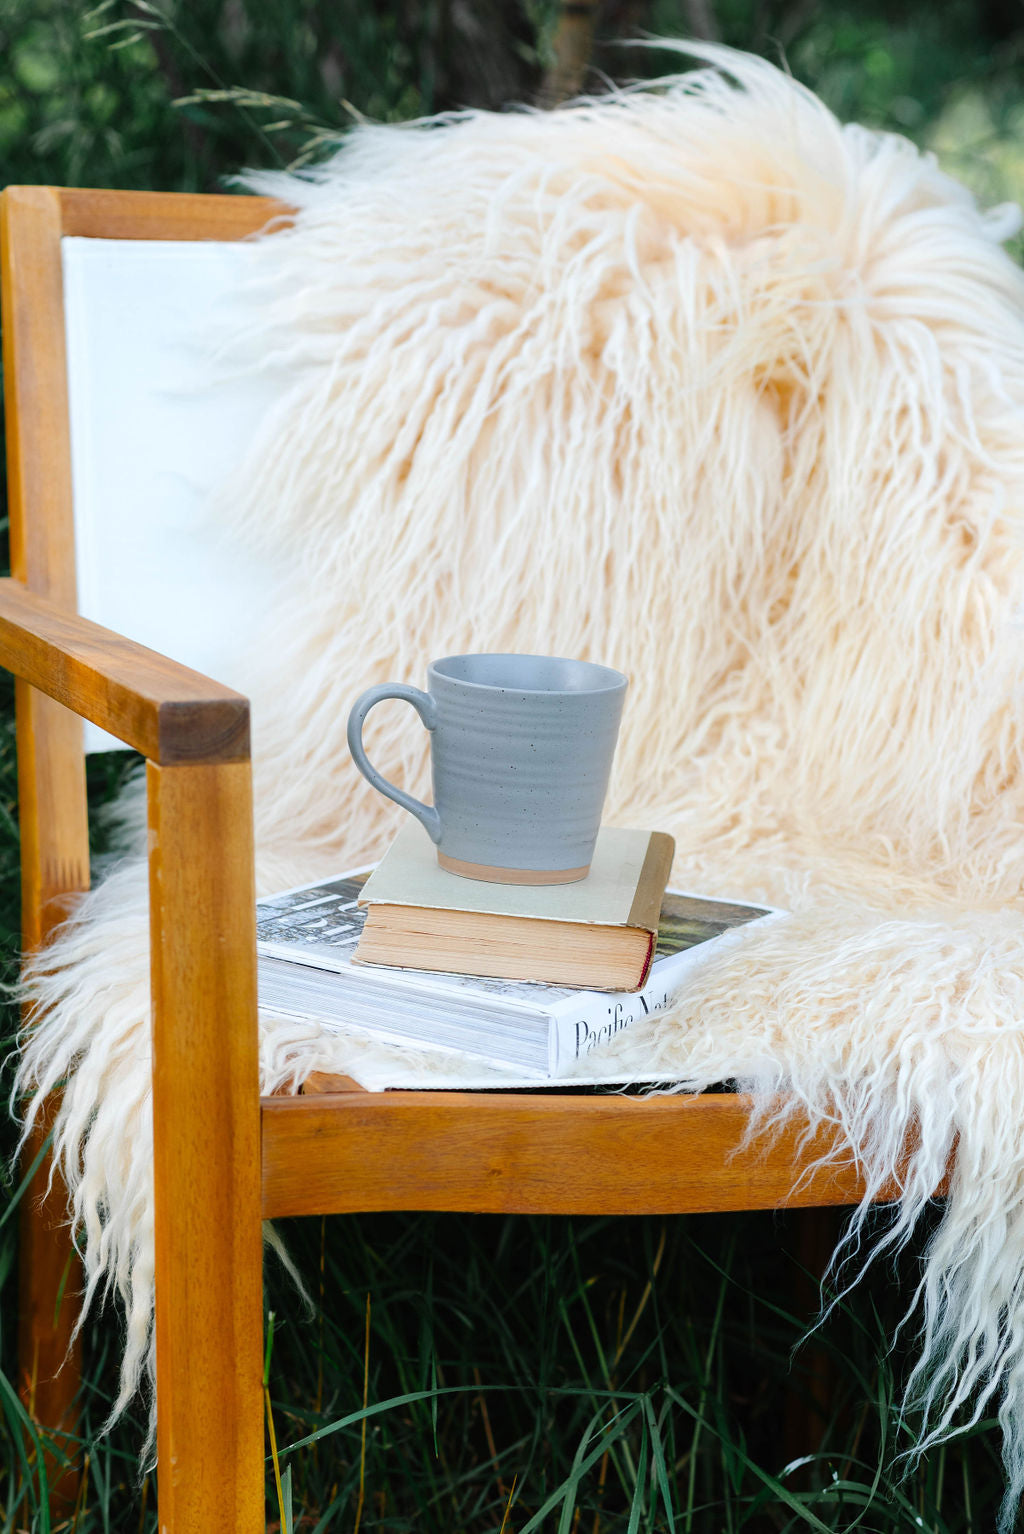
{"x":696,"y":381}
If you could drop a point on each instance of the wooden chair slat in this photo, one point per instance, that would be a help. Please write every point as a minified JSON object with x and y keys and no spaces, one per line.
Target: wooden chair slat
{"x":165,"y":710}
{"x":537,"y":1154}
{"x":51,"y":764}
{"x":116,"y":215}
{"x":206,"y":1149}
{"x":319,"y":1082}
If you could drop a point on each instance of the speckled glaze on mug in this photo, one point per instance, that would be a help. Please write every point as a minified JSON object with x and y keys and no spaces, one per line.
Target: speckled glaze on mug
{"x":521,"y":752}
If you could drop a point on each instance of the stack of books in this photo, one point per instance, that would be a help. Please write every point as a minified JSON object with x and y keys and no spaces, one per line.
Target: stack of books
{"x":529,"y":978}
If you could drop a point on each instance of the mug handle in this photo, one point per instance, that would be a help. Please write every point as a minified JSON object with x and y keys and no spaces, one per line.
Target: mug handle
{"x":425,"y":706}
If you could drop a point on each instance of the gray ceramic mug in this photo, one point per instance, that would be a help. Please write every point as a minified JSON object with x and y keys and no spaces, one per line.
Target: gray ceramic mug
{"x":521,"y":752}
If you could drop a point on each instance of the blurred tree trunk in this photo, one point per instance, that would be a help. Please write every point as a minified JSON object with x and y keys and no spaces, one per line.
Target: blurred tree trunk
{"x":480,"y":52}
{"x":700,"y":18}
{"x":192,"y":133}
{"x":572,"y":47}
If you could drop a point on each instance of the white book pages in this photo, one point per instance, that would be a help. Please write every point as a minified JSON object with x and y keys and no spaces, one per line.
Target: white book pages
{"x":306,"y":938}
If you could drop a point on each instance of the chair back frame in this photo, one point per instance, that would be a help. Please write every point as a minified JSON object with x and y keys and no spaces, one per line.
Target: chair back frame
{"x":189,"y":805}
{"x":342,"y":1150}
{"x":33,"y":220}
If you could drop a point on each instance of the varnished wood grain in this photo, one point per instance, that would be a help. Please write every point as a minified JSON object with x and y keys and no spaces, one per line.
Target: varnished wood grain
{"x":319,"y":1082}
{"x":52,"y":813}
{"x":51,"y":768}
{"x":49,"y":1357}
{"x":168,"y":712}
{"x":55,"y":857}
{"x":812,"y":1395}
{"x":172,"y":719}
{"x":533,"y":1154}
{"x":35,"y":392}
{"x":209,"y":1307}
{"x":116,"y":215}
{"x":54,"y":871}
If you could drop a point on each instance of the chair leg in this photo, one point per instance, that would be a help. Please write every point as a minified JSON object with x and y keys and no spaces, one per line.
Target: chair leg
{"x":207,"y":1198}
{"x":209,"y":1444}
{"x":814,"y":1236}
{"x":49,"y":1362}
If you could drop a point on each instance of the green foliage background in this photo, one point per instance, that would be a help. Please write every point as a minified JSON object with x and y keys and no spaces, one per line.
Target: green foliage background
{"x":584,"y":1376}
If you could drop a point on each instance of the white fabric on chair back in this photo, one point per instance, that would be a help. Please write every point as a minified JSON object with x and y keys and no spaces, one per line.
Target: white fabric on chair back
{"x":156,"y":428}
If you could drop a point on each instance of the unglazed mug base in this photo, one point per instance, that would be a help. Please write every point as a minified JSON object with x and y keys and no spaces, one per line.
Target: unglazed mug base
{"x":490,"y":875}
{"x":521,"y":749}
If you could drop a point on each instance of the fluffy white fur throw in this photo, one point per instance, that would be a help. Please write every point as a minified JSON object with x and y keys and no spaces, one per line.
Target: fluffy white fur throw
{"x":696,"y":381}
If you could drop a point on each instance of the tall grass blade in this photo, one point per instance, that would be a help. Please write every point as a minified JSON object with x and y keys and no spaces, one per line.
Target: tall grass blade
{"x":411,"y":1397}
{"x":287,"y":1513}
{"x":508,"y":1507}
{"x":611,"y":1434}
{"x":362,"y":1436}
{"x":795,"y":1503}
{"x":278,"y":1486}
{"x":660,"y":1467}
{"x":636,"y":1505}
{"x":21,"y":1424}
{"x":36,"y":1163}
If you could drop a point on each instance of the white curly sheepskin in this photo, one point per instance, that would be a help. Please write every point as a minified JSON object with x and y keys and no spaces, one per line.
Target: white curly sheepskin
{"x":698,"y":382}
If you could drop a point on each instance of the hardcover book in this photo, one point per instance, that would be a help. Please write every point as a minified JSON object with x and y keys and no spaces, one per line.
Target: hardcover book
{"x":597,"y":934}
{"x":306,"y":940}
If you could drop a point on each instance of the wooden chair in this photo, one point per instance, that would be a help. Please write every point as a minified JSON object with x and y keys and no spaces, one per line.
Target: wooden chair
{"x":224,"y":1159}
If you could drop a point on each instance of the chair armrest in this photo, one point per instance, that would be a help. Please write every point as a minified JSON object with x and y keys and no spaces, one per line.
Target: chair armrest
{"x":168,"y":712}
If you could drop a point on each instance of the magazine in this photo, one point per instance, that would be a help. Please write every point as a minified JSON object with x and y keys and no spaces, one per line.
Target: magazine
{"x":306,"y":938}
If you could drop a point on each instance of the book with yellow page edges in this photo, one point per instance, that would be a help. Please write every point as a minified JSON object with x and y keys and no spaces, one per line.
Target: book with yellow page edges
{"x":307,"y":938}
{"x":597,"y":934}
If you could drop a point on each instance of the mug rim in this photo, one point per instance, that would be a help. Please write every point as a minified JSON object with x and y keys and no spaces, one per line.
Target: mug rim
{"x":607,"y":679}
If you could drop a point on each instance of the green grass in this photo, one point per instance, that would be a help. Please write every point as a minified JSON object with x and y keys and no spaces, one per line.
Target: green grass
{"x":568,"y":1375}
